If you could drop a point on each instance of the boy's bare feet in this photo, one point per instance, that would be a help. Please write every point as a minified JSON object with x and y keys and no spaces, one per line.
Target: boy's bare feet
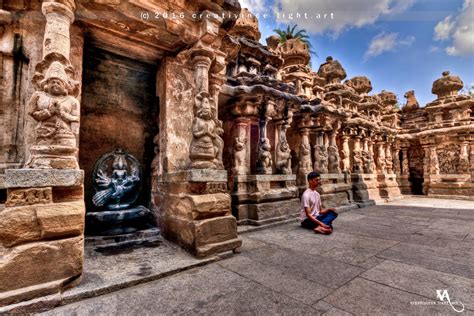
{"x":321,"y":230}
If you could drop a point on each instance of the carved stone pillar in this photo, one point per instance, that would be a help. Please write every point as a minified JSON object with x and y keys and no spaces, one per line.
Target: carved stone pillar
{"x":264,"y":160}
{"x":433,"y":160}
{"x":42,"y":224}
{"x":396,"y":159}
{"x":320,"y":154}
{"x":371,"y":165}
{"x":333,"y":154}
{"x":464,"y":164}
{"x":345,"y":152}
{"x":388,"y":158}
{"x":241,"y":147}
{"x":59,"y":16}
{"x":381,"y":161}
{"x":357,"y":164}
{"x":305,"y":164}
{"x":405,"y":163}
{"x":283,"y":151}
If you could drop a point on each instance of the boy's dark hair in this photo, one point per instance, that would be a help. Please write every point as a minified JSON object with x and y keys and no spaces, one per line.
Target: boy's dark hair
{"x":313,"y":175}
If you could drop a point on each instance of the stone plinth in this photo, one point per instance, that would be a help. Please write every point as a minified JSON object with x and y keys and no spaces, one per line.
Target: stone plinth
{"x":364,"y":186}
{"x":405,"y":184}
{"x":335,"y":190}
{"x":459,"y":186}
{"x":263,"y":199}
{"x":195,"y":211}
{"x":41,"y":233}
{"x":388,"y":187}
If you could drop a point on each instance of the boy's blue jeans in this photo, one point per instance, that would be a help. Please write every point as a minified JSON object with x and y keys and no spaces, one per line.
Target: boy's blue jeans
{"x":327,"y":219}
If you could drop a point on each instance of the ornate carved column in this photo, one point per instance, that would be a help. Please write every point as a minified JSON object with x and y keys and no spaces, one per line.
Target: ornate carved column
{"x":464,"y":164}
{"x":405,"y":163}
{"x":207,"y":144}
{"x":283,"y":152}
{"x":381,"y":161}
{"x":48,"y":193}
{"x":371,"y":166}
{"x":333,"y":154}
{"x":345,"y":152}
{"x":388,"y":157}
{"x":54,"y":106}
{"x":433,"y":160}
{"x":320,"y":154}
{"x":357,"y":165}
{"x":396,"y":158}
{"x":241,"y":147}
{"x":264,"y":160}
{"x":305,"y":164}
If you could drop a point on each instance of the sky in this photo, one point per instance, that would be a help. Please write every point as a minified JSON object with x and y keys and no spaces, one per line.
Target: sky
{"x":400,"y":45}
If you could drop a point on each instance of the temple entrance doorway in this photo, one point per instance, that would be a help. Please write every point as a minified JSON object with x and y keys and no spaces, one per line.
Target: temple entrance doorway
{"x":119,"y":110}
{"x":416,"y":157}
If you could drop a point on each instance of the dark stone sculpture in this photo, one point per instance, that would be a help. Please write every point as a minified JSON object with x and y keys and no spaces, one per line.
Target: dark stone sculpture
{"x":116,"y":180}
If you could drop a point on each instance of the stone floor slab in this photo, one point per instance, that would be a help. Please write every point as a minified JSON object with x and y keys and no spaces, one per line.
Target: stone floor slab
{"x":422,"y":281}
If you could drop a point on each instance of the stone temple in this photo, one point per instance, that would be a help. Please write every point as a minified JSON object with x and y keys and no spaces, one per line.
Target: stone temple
{"x":224,"y":129}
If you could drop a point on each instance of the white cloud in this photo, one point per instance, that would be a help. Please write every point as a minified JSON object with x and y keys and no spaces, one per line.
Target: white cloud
{"x":459,"y":30}
{"x":254,"y":6}
{"x":386,"y":42}
{"x":444,"y":29}
{"x":434,"y":49}
{"x":347,"y":13}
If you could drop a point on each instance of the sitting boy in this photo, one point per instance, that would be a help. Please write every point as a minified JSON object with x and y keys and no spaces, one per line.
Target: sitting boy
{"x":313,"y":216}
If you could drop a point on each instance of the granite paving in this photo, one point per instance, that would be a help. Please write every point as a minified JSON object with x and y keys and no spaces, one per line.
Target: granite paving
{"x":387,"y":259}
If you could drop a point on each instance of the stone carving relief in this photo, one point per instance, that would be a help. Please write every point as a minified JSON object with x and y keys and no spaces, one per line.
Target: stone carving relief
{"x":264,"y":162}
{"x":55,"y":108}
{"x":320,"y":159}
{"x":283,"y":154}
{"x":116,"y":176}
{"x":240,"y":155}
{"x":333,"y":159}
{"x":207,"y":144}
{"x":445,"y":160}
{"x":357,"y":162}
{"x":19,"y":197}
{"x":305,"y":164}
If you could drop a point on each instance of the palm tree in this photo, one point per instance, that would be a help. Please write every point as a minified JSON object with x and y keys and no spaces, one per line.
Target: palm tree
{"x":289,"y":33}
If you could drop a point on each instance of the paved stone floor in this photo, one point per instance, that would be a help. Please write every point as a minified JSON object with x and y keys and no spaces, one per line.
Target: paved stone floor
{"x":381,"y":260}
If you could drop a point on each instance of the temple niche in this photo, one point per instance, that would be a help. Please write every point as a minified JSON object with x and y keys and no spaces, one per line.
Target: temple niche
{"x":191,"y":128}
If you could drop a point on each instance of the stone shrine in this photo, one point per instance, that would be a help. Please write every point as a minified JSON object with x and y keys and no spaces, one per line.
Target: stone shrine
{"x":224,"y":128}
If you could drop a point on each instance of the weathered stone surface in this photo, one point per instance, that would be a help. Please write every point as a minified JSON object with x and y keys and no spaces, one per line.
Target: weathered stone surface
{"x":215,"y":230}
{"x":19,"y":197}
{"x":28,"y":178}
{"x":209,"y":205}
{"x":37,"y":222}
{"x":41,"y":262}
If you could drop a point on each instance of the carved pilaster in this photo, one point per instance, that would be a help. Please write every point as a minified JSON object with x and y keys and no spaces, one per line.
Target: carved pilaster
{"x":433,"y":161}
{"x":264,"y":161}
{"x":320,"y":154}
{"x":405,"y":163}
{"x":333,"y":154}
{"x":388,"y":158}
{"x":241,"y":148}
{"x":53,"y":105}
{"x":357,"y":163}
{"x":305,"y":164}
{"x":381,"y":161}
{"x":345,"y":152}
{"x":283,"y":152}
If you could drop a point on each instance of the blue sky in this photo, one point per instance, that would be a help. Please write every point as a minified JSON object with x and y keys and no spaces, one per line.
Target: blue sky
{"x":400,"y":45}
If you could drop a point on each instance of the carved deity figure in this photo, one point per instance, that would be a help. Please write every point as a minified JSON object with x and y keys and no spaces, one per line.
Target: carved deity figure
{"x":333,"y":160}
{"x":367,"y":162}
{"x":346,"y":161}
{"x":357,"y":165}
{"x":264,"y":162}
{"x":283,"y":157}
{"x":117,"y":191}
{"x":240,"y":155}
{"x":305,"y":158}
{"x":54,"y":109}
{"x":381,"y":162}
{"x":207,"y":145}
{"x":321,"y":159}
